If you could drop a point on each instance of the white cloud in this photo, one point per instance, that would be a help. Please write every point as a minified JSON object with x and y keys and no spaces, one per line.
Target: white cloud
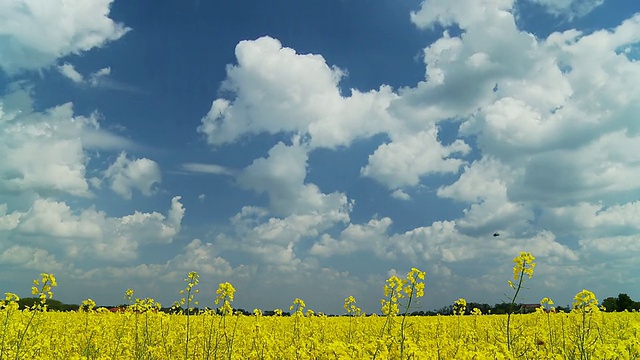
{"x":594,"y":220}
{"x":617,"y":246}
{"x":277,"y":90}
{"x":484,"y":184}
{"x":281,"y":175}
{"x":71,"y":73}
{"x":483,"y":179}
{"x":569,"y":8}
{"x":47,"y":152}
{"x":439,"y":243}
{"x":464,"y":72}
{"x":271,"y":240}
{"x":28,"y":258}
{"x":599,"y":171}
{"x":551,"y":117}
{"x":207,"y":168}
{"x":99,"y":76}
{"x":463,"y":12}
{"x":141,"y":174}
{"x":354,"y":238}
{"x":58,"y":220}
{"x":96,"y":79}
{"x":79,"y":235}
{"x":400,"y":195}
{"x":34,"y":34}
{"x":402,"y":162}
{"x":301,"y":210}
{"x":42,"y":151}
{"x":8,"y":221}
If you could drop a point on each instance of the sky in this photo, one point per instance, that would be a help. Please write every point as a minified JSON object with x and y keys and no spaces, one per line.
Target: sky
{"x":311,"y":149}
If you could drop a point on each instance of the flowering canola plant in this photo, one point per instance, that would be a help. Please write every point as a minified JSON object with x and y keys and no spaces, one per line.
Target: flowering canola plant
{"x":142,"y":332}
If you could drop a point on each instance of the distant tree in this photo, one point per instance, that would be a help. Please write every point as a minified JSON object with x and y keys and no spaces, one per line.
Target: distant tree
{"x":610,"y":304}
{"x":502,"y":308}
{"x":624,"y":302}
{"x":483,"y":307}
{"x":52,"y":304}
{"x":243,"y":311}
{"x":69,"y":307}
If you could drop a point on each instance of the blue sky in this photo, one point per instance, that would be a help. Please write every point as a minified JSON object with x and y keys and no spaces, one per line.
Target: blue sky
{"x":312,"y":149}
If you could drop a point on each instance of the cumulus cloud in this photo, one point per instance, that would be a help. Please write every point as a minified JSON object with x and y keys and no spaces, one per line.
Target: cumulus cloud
{"x":403,"y":161}
{"x":464,"y":12}
{"x":125,"y":175}
{"x":282,"y":176}
{"x":400,"y":195}
{"x":272,"y":240}
{"x":278,"y":90}
{"x":90,"y":234}
{"x":34,"y":34}
{"x":485,"y":184}
{"x":439,"y":243}
{"x":594,"y":220}
{"x":42,"y":151}
{"x":8,"y":221}
{"x":355,"y":237}
{"x":29,"y":258}
{"x":46,"y":151}
{"x":549,"y":120}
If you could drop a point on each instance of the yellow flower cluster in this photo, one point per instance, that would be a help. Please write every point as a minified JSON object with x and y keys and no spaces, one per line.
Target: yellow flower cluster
{"x":585,"y":301}
{"x":460,"y":306}
{"x":524,"y":265}
{"x":351,"y":308}
{"x":224,"y":295}
{"x":298,"y":306}
{"x":47,"y":282}
{"x":396,"y":289}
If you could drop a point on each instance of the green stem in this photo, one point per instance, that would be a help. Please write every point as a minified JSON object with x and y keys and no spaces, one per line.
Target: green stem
{"x":33,"y":314}
{"x":513,"y":301}
{"x":404,"y":318}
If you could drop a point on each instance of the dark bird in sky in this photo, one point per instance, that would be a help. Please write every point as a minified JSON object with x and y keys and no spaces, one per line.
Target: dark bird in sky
{"x":496,"y":234}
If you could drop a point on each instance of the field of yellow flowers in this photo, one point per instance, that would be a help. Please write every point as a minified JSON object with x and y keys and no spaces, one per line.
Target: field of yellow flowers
{"x":142,"y":332}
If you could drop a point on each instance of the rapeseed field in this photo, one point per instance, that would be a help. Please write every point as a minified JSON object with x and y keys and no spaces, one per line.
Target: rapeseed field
{"x":140,"y":331}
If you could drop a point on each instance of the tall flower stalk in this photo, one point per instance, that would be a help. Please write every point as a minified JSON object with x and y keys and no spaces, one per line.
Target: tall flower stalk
{"x":45,"y":284}
{"x":188,"y":294}
{"x":395,"y":289}
{"x":224,"y":297}
{"x":523,"y":265}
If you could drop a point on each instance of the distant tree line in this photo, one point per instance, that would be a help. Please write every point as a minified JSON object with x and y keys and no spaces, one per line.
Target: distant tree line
{"x":611,"y":304}
{"x":621,"y":303}
{"x":52,"y":304}
{"x":498,"y":309}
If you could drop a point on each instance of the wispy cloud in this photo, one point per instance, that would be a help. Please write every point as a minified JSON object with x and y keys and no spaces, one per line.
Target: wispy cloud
{"x":98,"y":79}
{"x":207,"y":168}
